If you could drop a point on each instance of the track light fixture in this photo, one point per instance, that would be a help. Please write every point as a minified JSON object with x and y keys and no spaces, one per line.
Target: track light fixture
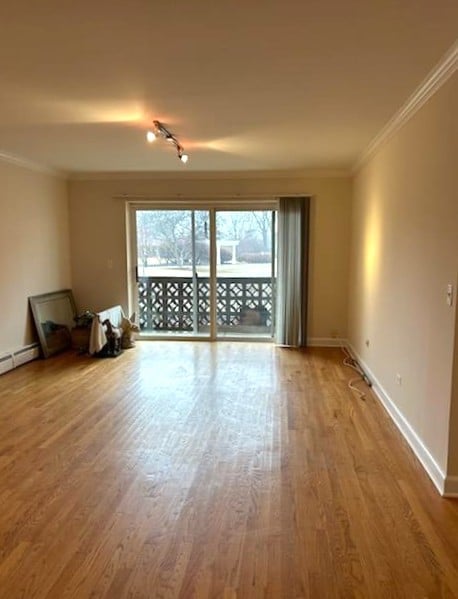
{"x":160,"y":129}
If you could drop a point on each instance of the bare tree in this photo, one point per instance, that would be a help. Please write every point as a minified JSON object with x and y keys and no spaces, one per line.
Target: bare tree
{"x":263,"y":220}
{"x":166,"y":234}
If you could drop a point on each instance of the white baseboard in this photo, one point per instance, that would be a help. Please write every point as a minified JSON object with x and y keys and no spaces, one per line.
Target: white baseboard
{"x":13,"y":359}
{"x":418,"y":447}
{"x":325,"y":342}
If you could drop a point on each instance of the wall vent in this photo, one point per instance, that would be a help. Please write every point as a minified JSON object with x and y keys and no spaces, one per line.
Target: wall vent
{"x":10,"y":360}
{"x":6,"y":363}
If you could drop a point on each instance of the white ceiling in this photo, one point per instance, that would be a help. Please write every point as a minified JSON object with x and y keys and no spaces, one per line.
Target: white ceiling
{"x":247,"y":85}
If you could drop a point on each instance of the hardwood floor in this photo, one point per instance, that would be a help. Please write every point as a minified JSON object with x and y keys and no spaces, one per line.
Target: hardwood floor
{"x":198,"y":470}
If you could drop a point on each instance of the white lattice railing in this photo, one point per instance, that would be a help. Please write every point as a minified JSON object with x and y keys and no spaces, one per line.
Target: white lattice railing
{"x":166,"y":303}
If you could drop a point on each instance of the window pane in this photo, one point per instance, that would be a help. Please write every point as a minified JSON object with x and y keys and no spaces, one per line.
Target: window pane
{"x":173,"y":271}
{"x":245,"y":291}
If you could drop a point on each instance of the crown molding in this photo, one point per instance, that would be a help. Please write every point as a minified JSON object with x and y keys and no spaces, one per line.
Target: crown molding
{"x":430,"y":85}
{"x":30,"y":165}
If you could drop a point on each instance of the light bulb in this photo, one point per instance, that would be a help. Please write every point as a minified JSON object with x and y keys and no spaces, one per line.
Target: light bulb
{"x":150,"y":136}
{"x":184,"y":158}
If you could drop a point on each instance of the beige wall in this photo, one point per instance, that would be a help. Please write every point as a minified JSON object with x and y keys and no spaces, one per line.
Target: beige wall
{"x":404,"y":253}
{"x":99,"y":246}
{"x":34,"y":247}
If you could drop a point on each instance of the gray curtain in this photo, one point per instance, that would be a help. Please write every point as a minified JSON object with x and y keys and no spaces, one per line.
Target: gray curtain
{"x":292,"y":260}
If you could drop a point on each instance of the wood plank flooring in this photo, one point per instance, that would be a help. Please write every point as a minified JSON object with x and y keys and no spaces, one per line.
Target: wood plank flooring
{"x":199,"y":470}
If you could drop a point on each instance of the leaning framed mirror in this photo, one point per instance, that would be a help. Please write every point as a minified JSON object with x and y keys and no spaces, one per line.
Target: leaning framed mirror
{"x":54,"y":315}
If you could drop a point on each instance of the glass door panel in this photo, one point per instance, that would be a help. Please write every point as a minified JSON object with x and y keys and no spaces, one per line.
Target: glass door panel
{"x":245,"y":270}
{"x":173,"y":276}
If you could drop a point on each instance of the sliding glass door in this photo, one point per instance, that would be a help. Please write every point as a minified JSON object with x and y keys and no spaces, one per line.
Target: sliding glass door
{"x":204,"y":273}
{"x":173,"y":262}
{"x":245,"y":273}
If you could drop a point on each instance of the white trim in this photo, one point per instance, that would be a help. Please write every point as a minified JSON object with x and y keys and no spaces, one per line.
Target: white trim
{"x":416,"y":444}
{"x":189,"y":204}
{"x":325,"y":342}
{"x":131,"y":255}
{"x":30,"y":165}
{"x":451,"y":486}
{"x":213,"y":282}
{"x":434,"y":81}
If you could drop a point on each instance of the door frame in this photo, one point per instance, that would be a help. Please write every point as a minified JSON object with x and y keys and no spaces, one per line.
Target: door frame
{"x":218,"y":204}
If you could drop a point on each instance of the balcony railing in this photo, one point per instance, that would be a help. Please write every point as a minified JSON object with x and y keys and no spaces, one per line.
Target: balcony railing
{"x":168,"y":304}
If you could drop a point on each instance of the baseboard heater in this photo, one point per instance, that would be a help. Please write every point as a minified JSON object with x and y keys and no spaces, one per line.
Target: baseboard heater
{"x":10,"y":360}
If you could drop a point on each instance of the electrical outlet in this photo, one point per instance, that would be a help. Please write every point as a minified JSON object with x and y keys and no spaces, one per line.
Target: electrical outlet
{"x":399,"y":379}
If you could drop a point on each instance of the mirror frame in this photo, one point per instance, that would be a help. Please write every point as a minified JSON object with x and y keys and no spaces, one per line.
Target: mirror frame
{"x":38,"y":300}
